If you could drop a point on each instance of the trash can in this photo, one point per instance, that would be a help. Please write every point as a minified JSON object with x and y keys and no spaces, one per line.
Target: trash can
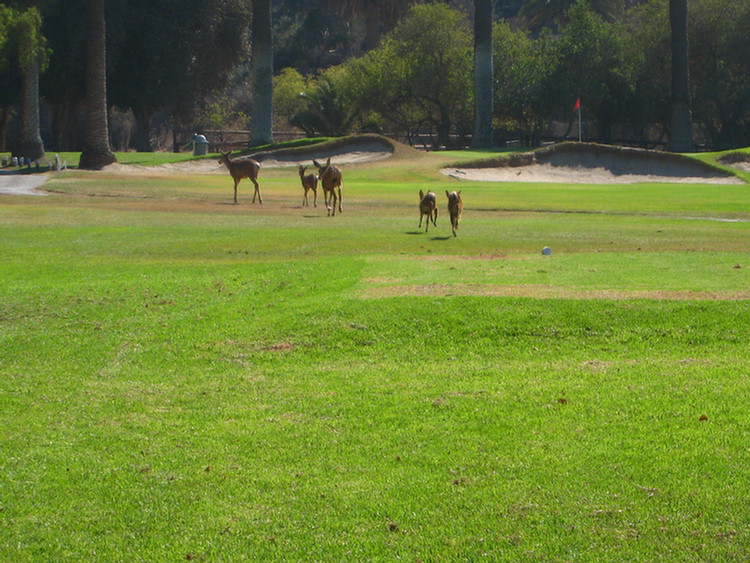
{"x":200,"y":146}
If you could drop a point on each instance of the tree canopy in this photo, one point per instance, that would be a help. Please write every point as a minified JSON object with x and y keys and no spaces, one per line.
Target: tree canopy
{"x":402,"y":67}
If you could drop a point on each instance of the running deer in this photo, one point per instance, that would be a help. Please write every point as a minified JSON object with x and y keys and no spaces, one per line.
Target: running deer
{"x":427,"y":206}
{"x":331,"y":179}
{"x":455,"y":206}
{"x":242,"y":168}
{"x":309,"y":182}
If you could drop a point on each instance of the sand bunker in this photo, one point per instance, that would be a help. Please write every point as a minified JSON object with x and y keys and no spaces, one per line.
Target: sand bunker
{"x":355,"y":152}
{"x":593,"y":164}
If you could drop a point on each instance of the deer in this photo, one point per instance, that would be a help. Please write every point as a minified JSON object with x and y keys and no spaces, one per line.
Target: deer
{"x":331,"y":179}
{"x":427,"y":206}
{"x":242,"y":168}
{"x":309,"y":182}
{"x":455,"y":206}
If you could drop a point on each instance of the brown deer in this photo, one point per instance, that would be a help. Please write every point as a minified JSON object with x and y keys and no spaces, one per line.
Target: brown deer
{"x":455,"y":206}
{"x":309,"y":182}
{"x":428,"y":206}
{"x":242,"y":168}
{"x":331,"y":179}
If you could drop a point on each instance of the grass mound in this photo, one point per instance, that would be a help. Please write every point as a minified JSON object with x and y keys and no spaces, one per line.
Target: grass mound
{"x":333,"y":146}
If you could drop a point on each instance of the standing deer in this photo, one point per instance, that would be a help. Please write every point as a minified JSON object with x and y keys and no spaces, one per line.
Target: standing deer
{"x":309,"y":182}
{"x":428,"y":206}
{"x":455,"y":206}
{"x":330,"y":177}
{"x":242,"y":168}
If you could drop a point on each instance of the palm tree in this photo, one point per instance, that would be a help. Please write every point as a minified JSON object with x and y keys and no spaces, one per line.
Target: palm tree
{"x":33,"y":54}
{"x":96,"y":148}
{"x":681,"y":129}
{"x":482,"y":74}
{"x":262,"y":74}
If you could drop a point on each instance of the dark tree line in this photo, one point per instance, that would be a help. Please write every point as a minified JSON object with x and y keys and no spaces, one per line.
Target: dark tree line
{"x":344,"y":66}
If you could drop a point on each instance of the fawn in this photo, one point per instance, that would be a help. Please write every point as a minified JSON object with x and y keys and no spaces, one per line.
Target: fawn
{"x":331,"y":178}
{"x":428,"y":206}
{"x":242,"y":168}
{"x":309,"y":182}
{"x":455,"y":206}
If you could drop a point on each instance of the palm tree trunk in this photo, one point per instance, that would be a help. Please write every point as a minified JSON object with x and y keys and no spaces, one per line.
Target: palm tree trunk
{"x":681,"y":130}
{"x":262,"y":74}
{"x":31,"y":145}
{"x":96,"y":148}
{"x":483,"y":97}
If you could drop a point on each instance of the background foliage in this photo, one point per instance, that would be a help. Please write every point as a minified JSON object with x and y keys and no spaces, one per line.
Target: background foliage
{"x":366,"y":67}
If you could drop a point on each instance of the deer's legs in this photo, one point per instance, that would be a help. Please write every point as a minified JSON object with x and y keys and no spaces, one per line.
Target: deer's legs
{"x":257,"y":191}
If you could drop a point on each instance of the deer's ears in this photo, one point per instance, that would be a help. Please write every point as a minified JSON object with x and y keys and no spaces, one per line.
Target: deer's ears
{"x":315,"y":162}
{"x":421,"y":195}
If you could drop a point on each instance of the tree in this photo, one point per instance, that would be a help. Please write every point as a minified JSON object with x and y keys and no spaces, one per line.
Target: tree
{"x":681,"y":131}
{"x":32,"y":57}
{"x":482,"y":73}
{"x":325,"y":109}
{"x":523,"y":70}
{"x":262,"y":74}
{"x":96,"y":149}
{"x":63,"y":84}
{"x":720,"y":71}
{"x":591,"y":63}
{"x":169,"y":55}
{"x":554,"y":13}
{"x":420,"y":78}
{"x":8,"y":88}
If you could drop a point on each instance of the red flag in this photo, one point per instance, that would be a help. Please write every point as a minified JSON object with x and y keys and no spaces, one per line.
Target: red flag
{"x":578,"y":105}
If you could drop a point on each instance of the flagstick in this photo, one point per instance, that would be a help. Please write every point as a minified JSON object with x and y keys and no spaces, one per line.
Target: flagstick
{"x":579,"y":123}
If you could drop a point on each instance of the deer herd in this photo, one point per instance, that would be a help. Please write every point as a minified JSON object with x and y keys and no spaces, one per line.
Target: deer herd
{"x":330,"y":177}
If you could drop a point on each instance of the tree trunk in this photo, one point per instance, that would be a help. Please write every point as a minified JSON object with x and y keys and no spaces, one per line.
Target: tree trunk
{"x":143,"y":131}
{"x":4,"y":122}
{"x":262,"y":74}
{"x":96,"y":148}
{"x":483,"y":97}
{"x":681,"y":129}
{"x":30,"y":145}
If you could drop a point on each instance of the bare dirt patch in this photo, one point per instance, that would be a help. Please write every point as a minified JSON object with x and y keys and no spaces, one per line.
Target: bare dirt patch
{"x":546,"y":292}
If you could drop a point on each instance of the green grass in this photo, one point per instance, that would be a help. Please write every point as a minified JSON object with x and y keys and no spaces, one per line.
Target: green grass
{"x":185,"y":379}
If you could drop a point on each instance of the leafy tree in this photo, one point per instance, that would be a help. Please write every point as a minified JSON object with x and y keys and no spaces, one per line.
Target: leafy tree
{"x":325,"y":109}
{"x":420,"y":77}
{"x":96,"y":148}
{"x":591,"y":64}
{"x":523,"y":69}
{"x":554,"y":13}
{"x":648,"y":110}
{"x":720,"y":70}
{"x":288,"y":85}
